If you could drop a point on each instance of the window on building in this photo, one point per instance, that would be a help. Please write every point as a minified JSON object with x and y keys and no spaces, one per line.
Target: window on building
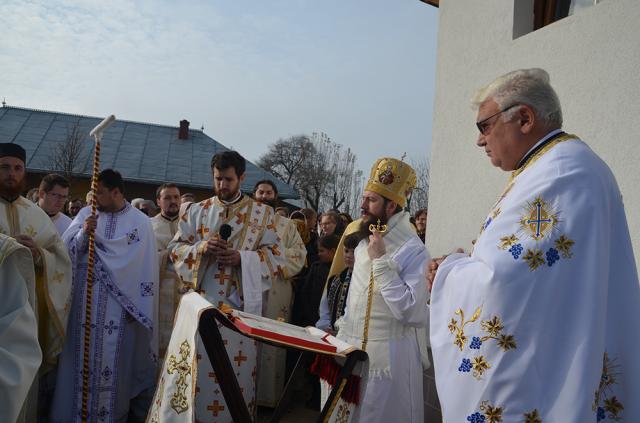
{"x":530,"y":15}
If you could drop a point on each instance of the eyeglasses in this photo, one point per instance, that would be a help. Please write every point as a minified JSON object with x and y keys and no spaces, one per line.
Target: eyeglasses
{"x":483,"y":125}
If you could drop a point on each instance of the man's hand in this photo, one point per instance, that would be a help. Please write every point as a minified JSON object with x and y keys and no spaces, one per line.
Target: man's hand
{"x":28,"y":242}
{"x":90,"y":224}
{"x":432,"y":269}
{"x":214,"y":247}
{"x":229,"y":258}
{"x":376,"y":248}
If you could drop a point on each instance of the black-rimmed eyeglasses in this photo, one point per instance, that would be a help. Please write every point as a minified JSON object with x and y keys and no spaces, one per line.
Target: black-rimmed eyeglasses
{"x":483,"y":125}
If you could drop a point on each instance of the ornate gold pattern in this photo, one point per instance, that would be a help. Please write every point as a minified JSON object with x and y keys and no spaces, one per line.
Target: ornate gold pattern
{"x":534,"y":258}
{"x":29,"y":230}
{"x":479,"y":366}
{"x":564,"y":244}
{"x":610,"y":404}
{"x":539,"y":219}
{"x":491,"y":413}
{"x":532,"y":417}
{"x":458,"y":329}
{"x":183,"y":368}
{"x":508,"y":241}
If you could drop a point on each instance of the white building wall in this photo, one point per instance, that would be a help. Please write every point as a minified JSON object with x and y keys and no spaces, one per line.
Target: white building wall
{"x":593,"y":58}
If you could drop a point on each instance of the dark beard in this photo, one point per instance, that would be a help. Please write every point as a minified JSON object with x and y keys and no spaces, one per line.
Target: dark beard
{"x":11,"y":193}
{"x":363,"y":231}
{"x":227,"y":197}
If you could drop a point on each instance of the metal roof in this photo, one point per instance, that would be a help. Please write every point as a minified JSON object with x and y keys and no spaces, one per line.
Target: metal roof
{"x":141,"y":152}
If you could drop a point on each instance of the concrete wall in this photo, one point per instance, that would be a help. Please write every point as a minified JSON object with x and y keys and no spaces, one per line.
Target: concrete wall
{"x":593,"y":58}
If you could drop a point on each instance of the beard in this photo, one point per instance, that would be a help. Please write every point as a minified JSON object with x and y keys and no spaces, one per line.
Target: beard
{"x":172,"y":211}
{"x":12,"y":190}
{"x":369,"y":219}
{"x":227,"y":195}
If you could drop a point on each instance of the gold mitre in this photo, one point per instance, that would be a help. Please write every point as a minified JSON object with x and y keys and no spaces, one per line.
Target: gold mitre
{"x":393,"y":179}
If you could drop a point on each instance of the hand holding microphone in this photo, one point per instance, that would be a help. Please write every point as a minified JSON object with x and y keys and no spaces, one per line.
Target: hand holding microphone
{"x":219,"y":248}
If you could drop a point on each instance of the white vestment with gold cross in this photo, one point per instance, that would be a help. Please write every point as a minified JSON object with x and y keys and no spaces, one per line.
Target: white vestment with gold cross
{"x":271,"y":374}
{"x":540,"y":322}
{"x":20,"y":354}
{"x":169,"y":290}
{"x":52,"y":270}
{"x":253,"y":234}
{"x":396,"y":334}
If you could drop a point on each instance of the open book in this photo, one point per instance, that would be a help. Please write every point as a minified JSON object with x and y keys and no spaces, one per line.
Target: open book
{"x":283,"y":334}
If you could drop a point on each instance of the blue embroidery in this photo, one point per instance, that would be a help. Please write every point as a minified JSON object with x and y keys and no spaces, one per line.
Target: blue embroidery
{"x":516,"y":251}
{"x":476,"y":342}
{"x":601,"y":414}
{"x":552,"y":256}
{"x":111,"y":327}
{"x":476,"y":418}
{"x":133,"y":237}
{"x":103,"y":413}
{"x":146,"y":289}
{"x":487,"y":223}
{"x":106,"y":373}
{"x":465,"y":366}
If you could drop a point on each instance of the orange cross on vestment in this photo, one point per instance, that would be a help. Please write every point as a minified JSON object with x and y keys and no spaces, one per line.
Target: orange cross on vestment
{"x":272,"y":225}
{"x":240,"y":358}
{"x":274,"y":250}
{"x":215,"y":408}
{"x":190,"y":261}
{"x":261,"y":255}
{"x":183,"y":217}
{"x":279,"y":271}
{"x":241,"y":217}
{"x":222,"y":276}
{"x":174,"y":256}
{"x":203,"y":230}
{"x":206,"y":204}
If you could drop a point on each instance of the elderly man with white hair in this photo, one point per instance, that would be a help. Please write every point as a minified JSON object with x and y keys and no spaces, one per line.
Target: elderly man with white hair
{"x":539,"y":323}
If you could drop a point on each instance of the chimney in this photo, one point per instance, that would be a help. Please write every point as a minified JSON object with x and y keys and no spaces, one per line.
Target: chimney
{"x":183,"y":133}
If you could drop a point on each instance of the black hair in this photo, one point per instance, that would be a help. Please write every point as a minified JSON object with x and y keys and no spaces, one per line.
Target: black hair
{"x":267,"y":182}
{"x":164,"y":186}
{"x":351,"y":241}
{"x":51,"y":180}
{"x":227,"y":159}
{"x":111,"y":179}
{"x":330,"y":242}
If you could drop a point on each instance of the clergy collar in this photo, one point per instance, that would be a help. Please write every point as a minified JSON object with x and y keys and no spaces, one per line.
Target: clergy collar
{"x":540,"y":144}
{"x":170,"y":219}
{"x":235,"y":200}
{"x":9,"y":200}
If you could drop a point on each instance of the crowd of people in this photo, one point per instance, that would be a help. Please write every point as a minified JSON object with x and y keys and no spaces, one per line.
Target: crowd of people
{"x":533,"y":324}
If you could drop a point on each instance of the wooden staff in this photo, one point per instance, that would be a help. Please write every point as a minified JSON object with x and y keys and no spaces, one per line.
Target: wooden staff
{"x":97,"y":133}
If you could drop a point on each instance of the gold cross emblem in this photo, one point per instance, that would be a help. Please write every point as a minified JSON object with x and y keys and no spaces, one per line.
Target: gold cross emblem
{"x":183,"y":368}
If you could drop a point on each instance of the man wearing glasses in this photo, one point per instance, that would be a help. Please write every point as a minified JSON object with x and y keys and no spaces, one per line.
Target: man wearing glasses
{"x":52,"y":194}
{"x":539,"y":323}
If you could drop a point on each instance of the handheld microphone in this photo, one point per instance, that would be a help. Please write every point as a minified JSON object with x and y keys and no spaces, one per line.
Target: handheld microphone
{"x":225,"y":231}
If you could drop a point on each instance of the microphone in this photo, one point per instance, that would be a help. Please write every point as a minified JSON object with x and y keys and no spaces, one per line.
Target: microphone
{"x":225,"y":231}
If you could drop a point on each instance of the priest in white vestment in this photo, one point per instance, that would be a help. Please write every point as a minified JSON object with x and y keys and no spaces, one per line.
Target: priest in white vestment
{"x":123,"y":353}
{"x":20,"y":354}
{"x":394,"y":335}
{"x":24,"y":221}
{"x":52,"y":195}
{"x":165,"y":226}
{"x":539,"y":323}
{"x":235,"y":271}
{"x":271,"y":371}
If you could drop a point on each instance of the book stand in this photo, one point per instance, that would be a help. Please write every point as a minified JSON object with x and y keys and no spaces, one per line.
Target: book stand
{"x":219,"y":359}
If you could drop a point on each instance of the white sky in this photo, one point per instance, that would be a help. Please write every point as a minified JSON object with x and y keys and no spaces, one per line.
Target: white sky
{"x":251,"y":72}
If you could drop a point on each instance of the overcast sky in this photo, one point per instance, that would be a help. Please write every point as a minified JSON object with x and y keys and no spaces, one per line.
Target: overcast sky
{"x":251,"y":72}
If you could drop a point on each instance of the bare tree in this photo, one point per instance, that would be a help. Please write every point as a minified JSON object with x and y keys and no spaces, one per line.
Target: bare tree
{"x":420,"y":196}
{"x":69,"y":156}
{"x":321,"y":170}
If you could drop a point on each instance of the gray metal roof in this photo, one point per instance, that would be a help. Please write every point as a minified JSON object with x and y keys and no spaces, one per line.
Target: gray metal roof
{"x":142,"y":152}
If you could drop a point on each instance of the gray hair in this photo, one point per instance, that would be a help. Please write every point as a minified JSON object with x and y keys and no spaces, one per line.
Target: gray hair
{"x":524,"y":86}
